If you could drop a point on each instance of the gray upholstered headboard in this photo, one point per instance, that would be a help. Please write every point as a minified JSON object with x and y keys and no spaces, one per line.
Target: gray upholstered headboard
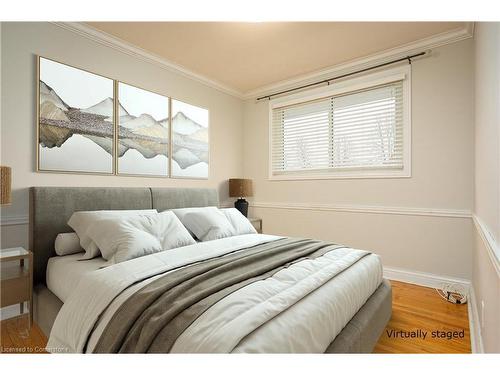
{"x":51,"y":208}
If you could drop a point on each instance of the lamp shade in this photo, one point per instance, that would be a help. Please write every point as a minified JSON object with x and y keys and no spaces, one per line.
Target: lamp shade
{"x":5,"y":182}
{"x":240,"y":187}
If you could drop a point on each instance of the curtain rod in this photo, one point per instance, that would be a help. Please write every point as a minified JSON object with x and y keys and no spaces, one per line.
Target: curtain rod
{"x":407,"y":58}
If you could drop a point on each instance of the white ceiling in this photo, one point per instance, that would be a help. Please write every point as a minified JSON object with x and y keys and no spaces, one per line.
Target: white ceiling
{"x":246,"y":56}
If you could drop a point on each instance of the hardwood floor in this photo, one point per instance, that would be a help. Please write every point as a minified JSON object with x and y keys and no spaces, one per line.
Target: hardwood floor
{"x":415,"y":309}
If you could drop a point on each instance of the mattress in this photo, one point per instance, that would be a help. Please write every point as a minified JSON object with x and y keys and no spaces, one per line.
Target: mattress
{"x":65,"y":272}
{"x":316,"y":319}
{"x":87,"y":312}
{"x":339,"y":299}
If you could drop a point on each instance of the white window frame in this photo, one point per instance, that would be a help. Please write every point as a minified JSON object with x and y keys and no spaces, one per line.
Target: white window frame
{"x":350,"y":85}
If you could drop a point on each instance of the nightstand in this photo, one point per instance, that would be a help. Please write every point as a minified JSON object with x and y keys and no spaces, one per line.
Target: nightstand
{"x":16,"y":281}
{"x":257,"y":223}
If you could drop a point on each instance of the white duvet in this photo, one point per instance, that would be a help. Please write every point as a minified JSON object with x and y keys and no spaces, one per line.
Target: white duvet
{"x":301,"y":308}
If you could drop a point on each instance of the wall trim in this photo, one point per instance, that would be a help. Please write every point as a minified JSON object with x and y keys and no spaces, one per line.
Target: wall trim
{"x":411,"y":211}
{"x":434,"y":41}
{"x":120,"y":45}
{"x":429,"y":280}
{"x":437,"y":281}
{"x":7,"y":220}
{"x":131,"y":50}
{"x":491,"y":246}
{"x":476,"y":338}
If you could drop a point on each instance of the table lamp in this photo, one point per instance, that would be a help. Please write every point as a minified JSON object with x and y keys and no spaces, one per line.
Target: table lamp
{"x":240,"y":188}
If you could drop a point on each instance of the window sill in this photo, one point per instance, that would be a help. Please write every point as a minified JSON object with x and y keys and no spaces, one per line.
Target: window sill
{"x":340,"y":176}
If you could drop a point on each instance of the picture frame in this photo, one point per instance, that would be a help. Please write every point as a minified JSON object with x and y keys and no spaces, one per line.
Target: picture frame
{"x":143,"y":132}
{"x":190,"y":141}
{"x":89,"y":135}
{"x":75,"y":120}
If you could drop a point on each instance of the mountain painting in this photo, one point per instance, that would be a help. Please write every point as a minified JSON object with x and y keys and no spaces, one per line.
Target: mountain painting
{"x":76,"y":127}
{"x":190,"y":156}
{"x":142,"y":132}
{"x":75,"y":120}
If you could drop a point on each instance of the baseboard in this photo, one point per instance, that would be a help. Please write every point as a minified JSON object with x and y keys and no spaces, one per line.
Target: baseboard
{"x":422,"y":278}
{"x":437,"y":281}
{"x":476,"y":338}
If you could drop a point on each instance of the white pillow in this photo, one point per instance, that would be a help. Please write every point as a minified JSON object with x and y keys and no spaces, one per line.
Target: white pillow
{"x":81,"y":220}
{"x":209,"y":224}
{"x":124,"y":238}
{"x":241,"y":225}
{"x":67,"y":243}
{"x":182,"y":212}
{"x":171,"y":233}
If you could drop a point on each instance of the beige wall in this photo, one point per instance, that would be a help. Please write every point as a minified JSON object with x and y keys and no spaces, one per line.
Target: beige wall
{"x":408,"y":236}
{"x":486,"y":277}
{"x":442,"y":178}
{"x":22,"y":41}
{"x":487,"y":120}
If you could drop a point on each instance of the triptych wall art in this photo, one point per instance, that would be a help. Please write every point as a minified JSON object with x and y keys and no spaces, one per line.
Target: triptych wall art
{"x":88,"y":123}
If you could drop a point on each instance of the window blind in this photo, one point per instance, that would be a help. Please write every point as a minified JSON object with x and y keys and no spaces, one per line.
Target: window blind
{"x":357,"y":130}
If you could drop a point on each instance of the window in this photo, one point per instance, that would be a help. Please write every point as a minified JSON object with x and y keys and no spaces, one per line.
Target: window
{"x":354,"y":131}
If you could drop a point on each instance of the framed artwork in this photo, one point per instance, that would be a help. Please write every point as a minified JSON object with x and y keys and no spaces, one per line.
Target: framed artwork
{"x":88,"y":123}
{"x":75,"y":124}
{"x":143,"y":132}
{"x":190,"y":137}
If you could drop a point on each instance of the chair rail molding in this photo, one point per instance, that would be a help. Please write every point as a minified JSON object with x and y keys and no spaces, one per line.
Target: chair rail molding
{"x":489,"y":242}
{"x":8,"y":220}
{"x":412,"y":211}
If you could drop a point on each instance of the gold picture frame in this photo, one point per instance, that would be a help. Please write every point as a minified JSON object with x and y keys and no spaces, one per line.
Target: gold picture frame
{"x":139,"y":114}
{"x":115,"y":131}
{"x":62,"y":130}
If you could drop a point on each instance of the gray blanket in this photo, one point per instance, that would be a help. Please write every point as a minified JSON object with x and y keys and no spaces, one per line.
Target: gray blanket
{"x":152,"y":319}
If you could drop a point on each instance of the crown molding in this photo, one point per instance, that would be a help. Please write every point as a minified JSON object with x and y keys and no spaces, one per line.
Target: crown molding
{"x":409,"y":211}
{"x":434,"y":41}
{"x":120,"y":45}
{"x":131,"y":50}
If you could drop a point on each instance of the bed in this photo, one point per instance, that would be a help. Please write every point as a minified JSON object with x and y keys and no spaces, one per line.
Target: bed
{"x":346,"y":314}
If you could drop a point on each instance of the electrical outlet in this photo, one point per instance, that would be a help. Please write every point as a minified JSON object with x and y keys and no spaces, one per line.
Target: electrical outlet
{"x":482,"y":314}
